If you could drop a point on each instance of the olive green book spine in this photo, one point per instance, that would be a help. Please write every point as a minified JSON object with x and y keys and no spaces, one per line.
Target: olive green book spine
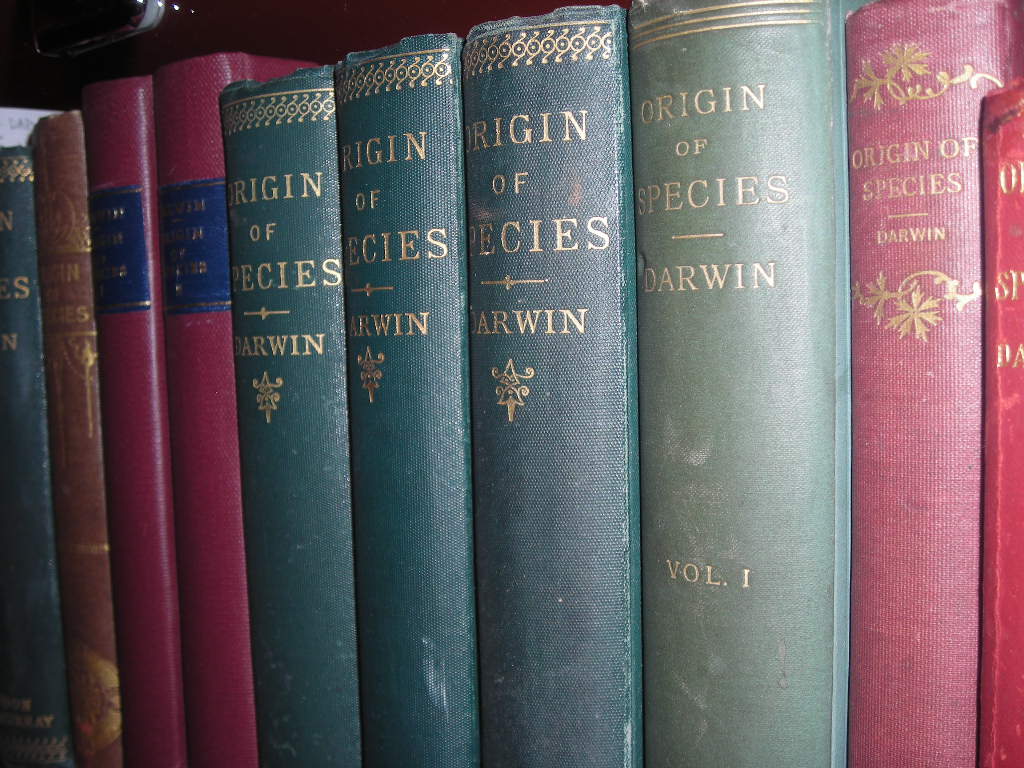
{"x":740,"y":196}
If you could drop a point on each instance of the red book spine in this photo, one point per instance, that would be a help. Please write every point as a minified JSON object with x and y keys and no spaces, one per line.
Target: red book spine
{"x":917,"y":72}
{"x":216,"y":651}
{"x":1002,"y":660}
{"x":121,"y":153}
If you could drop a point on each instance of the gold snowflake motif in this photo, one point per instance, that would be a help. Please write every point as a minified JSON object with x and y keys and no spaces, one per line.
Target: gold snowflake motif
{"x":904,"y":63}
{"x":917,"y":315}
{"x":916,"y":312}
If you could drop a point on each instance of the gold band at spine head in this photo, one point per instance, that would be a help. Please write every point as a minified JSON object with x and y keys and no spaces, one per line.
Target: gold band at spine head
{"x":283,"y":108}
{"x":417,"y":69}
{"x":528,"y":46}
{"x":15,"y":168}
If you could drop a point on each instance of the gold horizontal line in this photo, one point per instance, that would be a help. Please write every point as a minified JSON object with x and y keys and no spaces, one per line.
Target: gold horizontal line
{"x":752,"y":14}
{"x":905,"y":215}
{"x":369,"y":289}
{"x":226,"y":304}
{"x":398,"y":56}
{"x":70,"y":334}
{"x":85,"y":549}
{"x":698,"y":237}
{"x":126,"y":305}
{"x":726,"y":7}
{"x":721,"y":27}
{"x":552,"y":25}
{"x":114,"y":191}
{"x":192,"y":184}
{"x":277,"y":93}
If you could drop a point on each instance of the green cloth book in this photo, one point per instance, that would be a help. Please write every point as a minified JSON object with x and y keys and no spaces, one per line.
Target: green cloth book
{"x":281,"y":159}
{"x":404,"y":224}
{"x":35,"y":722}
{"x":552,"y":342}
{"x":742,"y":240}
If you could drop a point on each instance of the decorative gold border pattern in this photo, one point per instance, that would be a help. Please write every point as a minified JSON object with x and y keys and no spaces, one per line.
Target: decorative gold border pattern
{"x":270,"y":109}
{"x":16,"y":168}
{"x":410,"y":70}
{"x":526,"y":46}
{"x":902,"y":66}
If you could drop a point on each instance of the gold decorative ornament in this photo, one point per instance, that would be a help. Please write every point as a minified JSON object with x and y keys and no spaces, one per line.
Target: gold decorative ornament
{"x":310,"y":104}
{"x":916,"y":312}
{"x":904,"y":63}
{"x":97,"y":699}
{"x":370,"y":375}
{"x":15,"y":168}
{"x":572,"y":42}
{"x":416,"y":69}
{"x":511,"y":391}
{"x":266,"y":398}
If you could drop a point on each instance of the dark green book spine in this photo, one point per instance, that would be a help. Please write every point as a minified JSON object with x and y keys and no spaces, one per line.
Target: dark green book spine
{"x":35,"y":724}
{"x":281,"y":157}
{"x":403,"y":206}
{"x":744,"y":381}
{"x":552,"y":324}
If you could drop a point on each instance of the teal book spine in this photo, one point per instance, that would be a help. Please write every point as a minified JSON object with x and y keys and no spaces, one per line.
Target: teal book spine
{"x":35,"y":721}
{"x":404,"y":224}
{"x":743,"y":325}
{"x":288,"y":309}
{"x":553,"y":365}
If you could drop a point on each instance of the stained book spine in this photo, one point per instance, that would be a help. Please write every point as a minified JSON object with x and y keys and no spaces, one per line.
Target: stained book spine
{"x":35,"y":724}
{"x":742,"y":384}
{"x":216,"y":654}
{"x":121,"y":154}
{"x":1002,"y":658}
{"x":917,"y":72}
{"x":405,"y":243}
{"x":552,"y":313}
{"x":76,"y":442}
{"x":288,"y":310}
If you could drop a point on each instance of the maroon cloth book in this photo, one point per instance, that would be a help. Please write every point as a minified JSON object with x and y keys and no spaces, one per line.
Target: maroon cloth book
{"x":1002,"y":657}
{"x":216,"y":651}
{"x":917,"y":72}
{"x":121,"y":154}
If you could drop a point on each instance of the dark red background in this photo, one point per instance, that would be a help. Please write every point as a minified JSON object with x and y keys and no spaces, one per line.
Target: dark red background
{"x":317,"y":30}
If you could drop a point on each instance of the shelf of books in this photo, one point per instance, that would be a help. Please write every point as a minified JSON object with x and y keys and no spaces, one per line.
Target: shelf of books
{"x":512,"y":386}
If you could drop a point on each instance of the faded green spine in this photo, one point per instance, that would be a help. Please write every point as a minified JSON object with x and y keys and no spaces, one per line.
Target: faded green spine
{"x":292,"y":414}
{"x":35,"y":728}
{"x":744,"y":383}
{"x":400,"y":131}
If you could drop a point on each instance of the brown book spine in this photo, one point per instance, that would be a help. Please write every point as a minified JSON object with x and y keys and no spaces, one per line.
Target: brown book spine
{"x":76,"y":447}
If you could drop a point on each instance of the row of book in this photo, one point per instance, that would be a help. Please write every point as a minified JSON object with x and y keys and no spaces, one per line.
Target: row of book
{"x":377,"y":396}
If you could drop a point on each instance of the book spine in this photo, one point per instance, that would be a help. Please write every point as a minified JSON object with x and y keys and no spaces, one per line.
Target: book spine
{"x":917,"y":71}
{"x":35,"y":724}
{"x":1002,"y":658}
{"x":121,"y":154}
{"x":743,"y":386}
{"x":552,"y":324}
{"x":403,"y":208}
{"x":288,"y":308}
{"x":76,"y":442}
{"x":216,"y":652}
